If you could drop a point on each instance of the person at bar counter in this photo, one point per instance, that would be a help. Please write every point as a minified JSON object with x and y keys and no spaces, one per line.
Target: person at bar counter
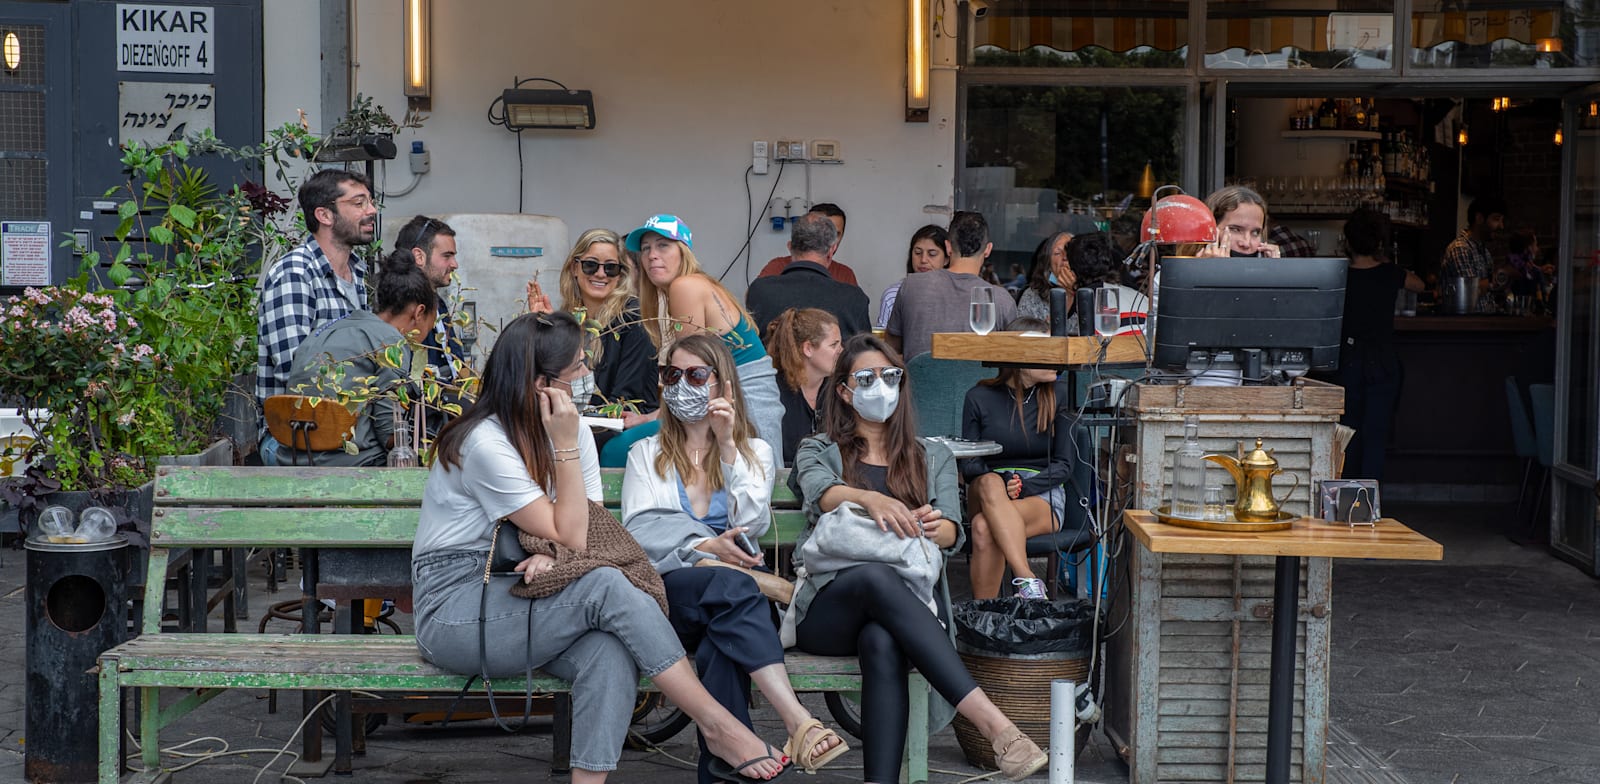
{"x":837,"y":270}
{"x":1468,"y":255}
{"x":597,"y":279}
{"x":1369,"y":367}
{"x":940,"y":300}
{"x":1022,"y":491}
{"x":1241,"y":216}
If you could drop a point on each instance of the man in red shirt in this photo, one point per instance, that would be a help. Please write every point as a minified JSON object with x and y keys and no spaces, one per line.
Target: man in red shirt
{"x":836,"y":269}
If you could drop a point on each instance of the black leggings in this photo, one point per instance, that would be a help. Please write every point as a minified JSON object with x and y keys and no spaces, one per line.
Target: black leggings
{"x":867,"y":612}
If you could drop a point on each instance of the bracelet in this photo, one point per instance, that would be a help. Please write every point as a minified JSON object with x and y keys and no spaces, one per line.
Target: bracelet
{"x":565,"y":459}
{"x":559,"y":451}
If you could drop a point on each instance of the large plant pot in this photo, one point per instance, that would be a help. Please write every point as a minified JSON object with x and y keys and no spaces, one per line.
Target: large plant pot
{"x":1019,"y":685}
{"x":219,"y":453}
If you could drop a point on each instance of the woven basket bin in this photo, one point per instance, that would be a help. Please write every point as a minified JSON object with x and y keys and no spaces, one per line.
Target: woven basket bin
{"x":1020,"y":687}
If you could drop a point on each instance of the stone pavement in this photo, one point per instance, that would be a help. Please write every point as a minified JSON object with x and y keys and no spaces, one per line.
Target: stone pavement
{"x":1480,"y":669}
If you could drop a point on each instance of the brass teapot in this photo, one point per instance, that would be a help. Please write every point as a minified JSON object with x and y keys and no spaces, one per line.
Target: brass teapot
{"x":1252,"y":481}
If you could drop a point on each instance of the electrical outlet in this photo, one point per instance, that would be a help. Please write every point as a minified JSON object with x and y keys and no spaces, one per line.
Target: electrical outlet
{"x":758,"y":156}
{"x":789,"y":150}
{"x":797,"y":151}
{"x":825,"y":150}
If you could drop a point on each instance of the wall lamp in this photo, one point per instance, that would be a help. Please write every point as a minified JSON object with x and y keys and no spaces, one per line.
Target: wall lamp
{"x":524,"y":110}
{"x":12,"y":48}
{"x":917,"y":30}
{"x":418,"y":27}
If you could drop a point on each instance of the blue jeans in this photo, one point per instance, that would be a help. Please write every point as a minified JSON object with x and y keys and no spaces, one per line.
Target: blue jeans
{"x":599,"y":633}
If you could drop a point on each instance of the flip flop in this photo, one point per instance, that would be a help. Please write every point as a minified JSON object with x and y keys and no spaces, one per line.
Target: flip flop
{"x":723,"y":771}
{"x":806,"y":738}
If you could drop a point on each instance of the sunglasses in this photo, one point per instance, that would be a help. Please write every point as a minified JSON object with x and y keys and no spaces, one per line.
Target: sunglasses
{"x":697,"y":375}
{"x":866,"y":378}
{"x":591,"y":266}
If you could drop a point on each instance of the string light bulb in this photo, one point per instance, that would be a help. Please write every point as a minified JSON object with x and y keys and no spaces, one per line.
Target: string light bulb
{"x":1558,"y":137}
{"x":1461,"y":136}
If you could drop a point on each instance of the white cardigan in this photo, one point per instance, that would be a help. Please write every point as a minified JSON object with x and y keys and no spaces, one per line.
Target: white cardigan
{"x":749,"y":488}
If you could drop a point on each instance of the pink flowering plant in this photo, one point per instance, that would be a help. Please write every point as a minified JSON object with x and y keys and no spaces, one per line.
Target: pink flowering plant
{"x":91,"y":388}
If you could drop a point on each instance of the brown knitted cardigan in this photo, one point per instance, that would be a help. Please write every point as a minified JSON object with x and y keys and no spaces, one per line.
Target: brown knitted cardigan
{"x":609,"y":545}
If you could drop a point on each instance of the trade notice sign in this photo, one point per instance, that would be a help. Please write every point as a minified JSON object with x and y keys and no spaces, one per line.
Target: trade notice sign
{"x":25,"y":253}
{"x":166,"y":38}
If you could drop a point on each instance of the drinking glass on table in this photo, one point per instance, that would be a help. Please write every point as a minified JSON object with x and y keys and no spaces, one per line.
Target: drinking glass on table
{"x":1107,"y":311}
{"x":981,"y":315}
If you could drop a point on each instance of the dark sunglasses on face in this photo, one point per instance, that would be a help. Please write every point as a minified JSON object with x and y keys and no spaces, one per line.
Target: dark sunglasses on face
{"x":867,"y":377}
{"x":697,"y":375}
{"x":591,"y":266}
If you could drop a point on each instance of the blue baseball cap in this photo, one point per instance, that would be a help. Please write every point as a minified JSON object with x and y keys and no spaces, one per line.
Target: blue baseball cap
{"x":669,"y":226}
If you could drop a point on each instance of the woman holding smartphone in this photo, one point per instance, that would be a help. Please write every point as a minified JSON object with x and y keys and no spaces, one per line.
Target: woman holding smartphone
{"x":869,"y":455}
{"x":699,"y":491}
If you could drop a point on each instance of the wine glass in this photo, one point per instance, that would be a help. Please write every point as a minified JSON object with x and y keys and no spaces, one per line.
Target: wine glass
{"x":1107,"y":311}
{"x":981,"y":316}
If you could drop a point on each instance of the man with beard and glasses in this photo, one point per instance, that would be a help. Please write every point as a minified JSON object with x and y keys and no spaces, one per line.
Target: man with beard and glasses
{"x":316,"y":282}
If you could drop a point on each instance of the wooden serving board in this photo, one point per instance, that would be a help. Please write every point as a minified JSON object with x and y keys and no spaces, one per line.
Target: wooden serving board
{"x":1011,"y":348}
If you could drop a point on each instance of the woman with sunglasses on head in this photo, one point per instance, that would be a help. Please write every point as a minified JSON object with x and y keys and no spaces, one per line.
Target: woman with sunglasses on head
{"x":926,"y":253}
{"x":699,"y":491}
{"x":675,"y":297}
{"x":868,"y":455}
{"x":1022,"y":491}
{"x":518,"y":454}
{"x":805,"y":345}
{"x":599,"y":279}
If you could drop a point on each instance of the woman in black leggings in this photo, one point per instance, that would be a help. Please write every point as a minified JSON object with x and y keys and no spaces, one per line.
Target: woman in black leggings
{"x":868,"y":455}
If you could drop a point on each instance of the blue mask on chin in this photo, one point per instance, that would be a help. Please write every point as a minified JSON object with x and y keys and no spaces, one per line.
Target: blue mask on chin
{"x":1053,"y":282}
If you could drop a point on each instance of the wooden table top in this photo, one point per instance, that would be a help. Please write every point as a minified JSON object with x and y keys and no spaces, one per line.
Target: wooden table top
{"x":1389,"y":539}
{"x":1011,"y":348}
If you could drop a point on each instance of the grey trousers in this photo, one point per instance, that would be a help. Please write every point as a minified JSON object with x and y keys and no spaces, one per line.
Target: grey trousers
{"x":600,"y":633}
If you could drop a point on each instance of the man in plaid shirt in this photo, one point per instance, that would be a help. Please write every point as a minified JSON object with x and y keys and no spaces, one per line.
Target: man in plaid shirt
{"x":318,"y":281}
{"x":1468,"y":256}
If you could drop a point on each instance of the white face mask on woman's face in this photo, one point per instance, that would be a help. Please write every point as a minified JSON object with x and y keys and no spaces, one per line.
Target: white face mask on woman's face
{"x":876,"y":403}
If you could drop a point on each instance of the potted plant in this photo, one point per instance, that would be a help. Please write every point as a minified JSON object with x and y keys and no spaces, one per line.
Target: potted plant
{"x":365,"y":133}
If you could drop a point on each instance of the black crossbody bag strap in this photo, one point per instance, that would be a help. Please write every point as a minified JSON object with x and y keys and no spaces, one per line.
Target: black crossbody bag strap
{"x":483,"y":651}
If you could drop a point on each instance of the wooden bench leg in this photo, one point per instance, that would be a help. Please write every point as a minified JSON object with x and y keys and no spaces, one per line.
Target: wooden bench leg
{"x":110,"y":725}
{"x":150,"y":728}
{"x":561,"y":734}
{"x":916,"y":764}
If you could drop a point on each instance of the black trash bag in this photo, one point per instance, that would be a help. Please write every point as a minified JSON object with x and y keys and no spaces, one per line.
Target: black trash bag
{"x":1026,"y":626}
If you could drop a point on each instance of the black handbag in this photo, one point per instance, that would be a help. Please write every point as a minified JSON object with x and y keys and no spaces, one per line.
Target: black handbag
{"x":505,"y":552}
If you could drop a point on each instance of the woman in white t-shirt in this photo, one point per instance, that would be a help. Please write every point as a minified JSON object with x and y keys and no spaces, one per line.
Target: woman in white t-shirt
{"x":519,"y":454}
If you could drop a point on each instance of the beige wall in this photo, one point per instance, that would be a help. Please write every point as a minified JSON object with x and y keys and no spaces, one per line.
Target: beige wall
{"x":681,"y":89}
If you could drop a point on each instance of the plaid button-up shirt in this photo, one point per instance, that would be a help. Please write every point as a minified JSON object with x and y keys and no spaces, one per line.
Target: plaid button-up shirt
{"x":299,"y":293}
{"x":1467,"y":258}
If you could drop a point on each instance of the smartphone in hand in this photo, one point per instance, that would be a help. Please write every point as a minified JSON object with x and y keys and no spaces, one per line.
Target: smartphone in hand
{"x":746,"y":543}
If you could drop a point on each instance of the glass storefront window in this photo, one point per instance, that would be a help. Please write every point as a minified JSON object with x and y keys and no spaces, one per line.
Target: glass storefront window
{"x":1505,"y":34}
{"x":1047,"y":159}
{"x":1263,"y":35}
{"x":1082,"y":34}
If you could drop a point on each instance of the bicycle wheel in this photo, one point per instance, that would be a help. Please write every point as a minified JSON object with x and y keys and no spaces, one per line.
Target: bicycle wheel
{"x":845,"y":707}
{"x":655,"y":721}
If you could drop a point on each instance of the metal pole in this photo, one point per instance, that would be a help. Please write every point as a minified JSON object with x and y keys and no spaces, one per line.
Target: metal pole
{"x":1063,"y":730}
{"x":1280,"y":696}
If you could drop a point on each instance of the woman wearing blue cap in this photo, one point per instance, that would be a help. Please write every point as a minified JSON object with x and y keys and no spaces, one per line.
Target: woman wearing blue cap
{"x":674,"y":295}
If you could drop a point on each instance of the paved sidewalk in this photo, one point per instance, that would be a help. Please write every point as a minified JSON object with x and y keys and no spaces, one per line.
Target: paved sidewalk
{"x":1479,"y":669}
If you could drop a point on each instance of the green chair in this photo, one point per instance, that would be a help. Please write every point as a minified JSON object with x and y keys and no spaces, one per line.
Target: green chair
{"x":939,"y":389}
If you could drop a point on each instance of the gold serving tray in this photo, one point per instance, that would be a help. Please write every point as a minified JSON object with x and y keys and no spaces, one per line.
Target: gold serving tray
{"x":1285,"y":521}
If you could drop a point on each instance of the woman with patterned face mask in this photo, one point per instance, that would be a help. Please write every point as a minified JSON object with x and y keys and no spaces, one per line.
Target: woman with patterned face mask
{"x":699,"y":491}
{"x":868,"y":455}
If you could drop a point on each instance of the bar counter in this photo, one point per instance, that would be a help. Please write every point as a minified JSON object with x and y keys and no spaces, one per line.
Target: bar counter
{"x":1452,"y":426}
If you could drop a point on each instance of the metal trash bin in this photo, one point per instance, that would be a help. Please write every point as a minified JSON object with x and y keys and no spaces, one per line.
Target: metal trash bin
{"x":76,"y":610}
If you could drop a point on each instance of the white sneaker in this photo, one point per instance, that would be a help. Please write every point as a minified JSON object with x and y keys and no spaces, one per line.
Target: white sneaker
{"x":1030,"y":588}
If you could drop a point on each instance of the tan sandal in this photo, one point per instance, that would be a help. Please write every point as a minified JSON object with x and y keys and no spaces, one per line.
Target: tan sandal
{"x":807,"y":738}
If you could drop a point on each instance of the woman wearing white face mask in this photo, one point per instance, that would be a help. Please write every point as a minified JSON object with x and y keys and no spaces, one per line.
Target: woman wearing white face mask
{"x":868,"y":454}
{"x":699,"y":491}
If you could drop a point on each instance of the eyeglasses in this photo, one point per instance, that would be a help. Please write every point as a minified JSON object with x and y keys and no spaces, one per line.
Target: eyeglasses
{"x":591,"y":266}
{"x":358,"y":202}
{"x":697,"y":375}
{"x":866,"y":378}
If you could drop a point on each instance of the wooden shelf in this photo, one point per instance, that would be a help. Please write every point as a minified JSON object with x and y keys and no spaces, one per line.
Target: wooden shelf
{"x":1334,"y":135}
{"x":1011,"y":348}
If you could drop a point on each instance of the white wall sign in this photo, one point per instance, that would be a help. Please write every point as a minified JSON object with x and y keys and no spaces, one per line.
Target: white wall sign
{"x":155,"y":112}
{"x":25,"y":253}
{"x":166,"y":38}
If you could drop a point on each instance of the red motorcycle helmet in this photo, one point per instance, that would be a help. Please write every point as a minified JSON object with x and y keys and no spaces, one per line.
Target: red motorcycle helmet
{"x":1178,"y":218}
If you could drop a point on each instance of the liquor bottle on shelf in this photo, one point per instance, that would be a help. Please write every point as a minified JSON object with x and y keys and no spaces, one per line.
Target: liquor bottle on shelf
{"x":1327,"y":116}
{"x":1352,"y":162}
{"x":1358,"y":117}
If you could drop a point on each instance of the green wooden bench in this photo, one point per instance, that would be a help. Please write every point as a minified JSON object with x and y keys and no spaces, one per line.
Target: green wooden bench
{"x":336,"y":511}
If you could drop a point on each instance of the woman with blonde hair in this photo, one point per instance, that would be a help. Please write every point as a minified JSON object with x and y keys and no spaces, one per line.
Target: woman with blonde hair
{"x":699,"y":492}
{"x":676,"y":296}
{"x":597,"y":279}
{"x":805,"y":343}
